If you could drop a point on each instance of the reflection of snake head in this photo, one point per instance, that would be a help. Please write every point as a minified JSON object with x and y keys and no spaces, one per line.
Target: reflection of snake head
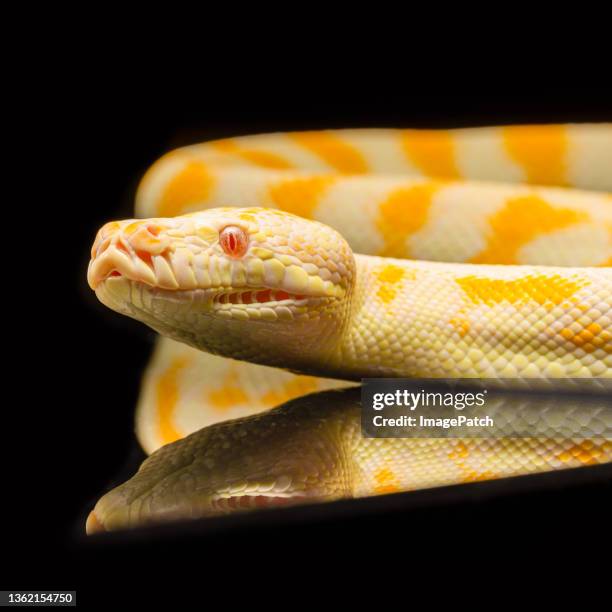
{"x":311,"y":449}
{"x":297,"y":453}
{"x":231,"y":281}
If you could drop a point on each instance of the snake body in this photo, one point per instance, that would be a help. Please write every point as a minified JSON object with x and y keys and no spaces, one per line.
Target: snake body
{"x":298,"y":297}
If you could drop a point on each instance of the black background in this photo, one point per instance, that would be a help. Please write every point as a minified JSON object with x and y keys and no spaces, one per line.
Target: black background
{"x":75,"y":434}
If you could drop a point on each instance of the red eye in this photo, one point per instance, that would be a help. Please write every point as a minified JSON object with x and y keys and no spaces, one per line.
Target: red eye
{"x":234,"y":241}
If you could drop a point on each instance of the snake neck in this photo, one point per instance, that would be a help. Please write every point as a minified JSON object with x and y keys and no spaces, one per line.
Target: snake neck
{"x":371,"y":319}
{"x":424,"y":319}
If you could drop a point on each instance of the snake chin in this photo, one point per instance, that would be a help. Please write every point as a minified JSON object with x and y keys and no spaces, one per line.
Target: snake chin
{"x":241,"y":323}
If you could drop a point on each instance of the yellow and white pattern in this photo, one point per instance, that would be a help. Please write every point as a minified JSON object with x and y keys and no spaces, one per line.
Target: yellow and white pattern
{"x":184,"y":390}
{"x":480,"y":252}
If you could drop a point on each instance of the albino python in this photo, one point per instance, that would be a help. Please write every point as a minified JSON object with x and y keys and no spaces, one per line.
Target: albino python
{"x":304,"y":256}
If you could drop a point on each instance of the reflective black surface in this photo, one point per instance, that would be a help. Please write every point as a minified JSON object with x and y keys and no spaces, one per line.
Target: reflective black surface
{"x":74,"y":406}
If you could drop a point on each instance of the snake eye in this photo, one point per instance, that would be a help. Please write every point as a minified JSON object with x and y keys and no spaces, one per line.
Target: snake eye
{"x":234,"y":241}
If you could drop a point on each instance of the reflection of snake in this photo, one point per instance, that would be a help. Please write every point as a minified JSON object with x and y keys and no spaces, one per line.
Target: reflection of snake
{"x":311,"y":449}
{"x":280,"y":290}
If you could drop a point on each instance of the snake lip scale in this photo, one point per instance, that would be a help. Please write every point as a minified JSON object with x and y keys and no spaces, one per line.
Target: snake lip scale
{"x":216,"y":297}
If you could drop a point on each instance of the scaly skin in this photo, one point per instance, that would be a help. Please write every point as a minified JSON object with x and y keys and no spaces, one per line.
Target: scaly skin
{"x":262,"y":170}
{"x":406,"y":190}
{"x":311,"y":450}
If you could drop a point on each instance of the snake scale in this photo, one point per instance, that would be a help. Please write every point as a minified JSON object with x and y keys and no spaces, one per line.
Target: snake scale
{"x":480,"y":252}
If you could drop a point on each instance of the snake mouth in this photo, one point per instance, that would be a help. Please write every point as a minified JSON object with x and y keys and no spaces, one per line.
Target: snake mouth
{"x":128,"y":296}
{"x":236,"y":286}
{"x":217,"y":296}
{"x":115,"y":270}
{"x":227,"y":504}
{"x":253,"y":296}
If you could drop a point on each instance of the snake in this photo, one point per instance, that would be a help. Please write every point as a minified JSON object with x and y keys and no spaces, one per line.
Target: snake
{"x":326,"y":257}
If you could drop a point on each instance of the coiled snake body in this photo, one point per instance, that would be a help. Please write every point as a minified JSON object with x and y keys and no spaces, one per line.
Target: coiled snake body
{"x":314,"y":269}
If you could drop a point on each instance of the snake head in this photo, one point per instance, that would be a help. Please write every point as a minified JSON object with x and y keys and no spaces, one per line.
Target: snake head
{"x":298,"y":453}
{"x":249,"y":283}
